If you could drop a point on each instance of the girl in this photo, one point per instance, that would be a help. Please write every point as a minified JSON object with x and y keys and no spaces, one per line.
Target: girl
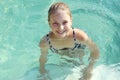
{"x":65,"y":40}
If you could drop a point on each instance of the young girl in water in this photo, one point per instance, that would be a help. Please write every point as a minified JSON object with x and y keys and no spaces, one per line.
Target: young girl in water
{"x":64,"y":38}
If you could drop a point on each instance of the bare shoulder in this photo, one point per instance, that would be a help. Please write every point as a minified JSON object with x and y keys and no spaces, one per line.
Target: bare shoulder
{"x":43,"y":44}
{"x":81,"y":35}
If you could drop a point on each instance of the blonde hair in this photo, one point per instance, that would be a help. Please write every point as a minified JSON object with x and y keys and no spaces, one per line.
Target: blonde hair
{"x":58,"y":6}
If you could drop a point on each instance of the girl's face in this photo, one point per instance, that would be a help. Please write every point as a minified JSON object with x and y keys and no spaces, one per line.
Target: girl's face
{"x":60,"y":23}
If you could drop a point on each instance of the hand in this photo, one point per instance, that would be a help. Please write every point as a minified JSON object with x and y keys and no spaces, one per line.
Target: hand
{"x":87,"y":73}
{"x":43,"y":71}
{"x":43,"y":77}
{"x":88,"y":69}
{"x":86,"y":76}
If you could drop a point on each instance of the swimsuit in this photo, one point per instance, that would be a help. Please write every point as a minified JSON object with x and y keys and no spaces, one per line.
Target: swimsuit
{"x":77,"y":45}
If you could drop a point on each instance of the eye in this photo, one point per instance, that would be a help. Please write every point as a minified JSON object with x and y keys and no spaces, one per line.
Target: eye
{"x":65,"y":22}
{"x":55,"y":24}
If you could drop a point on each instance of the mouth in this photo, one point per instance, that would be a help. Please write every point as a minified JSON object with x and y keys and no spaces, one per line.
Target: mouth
{"x":60,"y":32}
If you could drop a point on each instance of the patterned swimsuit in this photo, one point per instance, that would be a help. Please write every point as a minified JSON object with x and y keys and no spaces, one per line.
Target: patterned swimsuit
{"x":76,"y":45}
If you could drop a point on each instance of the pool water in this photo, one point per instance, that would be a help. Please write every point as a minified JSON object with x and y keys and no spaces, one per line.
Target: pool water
{"x":24,"y":22}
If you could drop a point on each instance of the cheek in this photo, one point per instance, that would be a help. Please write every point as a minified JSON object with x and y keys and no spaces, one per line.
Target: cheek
{"x":53,"y":28}
{"x":69,"y":24}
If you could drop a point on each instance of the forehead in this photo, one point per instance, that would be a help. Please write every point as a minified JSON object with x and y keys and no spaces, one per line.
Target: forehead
{"x":60,"y":14}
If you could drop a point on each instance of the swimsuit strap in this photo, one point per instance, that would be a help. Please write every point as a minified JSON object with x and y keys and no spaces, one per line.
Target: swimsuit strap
{"x":74,"y":37}
{"x":48,"y":40}
{"x":75,"y":41}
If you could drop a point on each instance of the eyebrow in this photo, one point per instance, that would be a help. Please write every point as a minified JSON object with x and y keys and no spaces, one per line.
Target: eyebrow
{"x":62,"y":22}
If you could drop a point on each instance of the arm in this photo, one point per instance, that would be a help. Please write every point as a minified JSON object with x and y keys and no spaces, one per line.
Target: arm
{"x":94,"y":52}
{"x":43,"y":56}
{"x":94,"y":55}
{"x":43,"y":60}
{"x":83,"y":38}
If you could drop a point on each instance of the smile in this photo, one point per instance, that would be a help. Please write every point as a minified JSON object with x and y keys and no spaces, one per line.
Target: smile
{"x":60,"y":32}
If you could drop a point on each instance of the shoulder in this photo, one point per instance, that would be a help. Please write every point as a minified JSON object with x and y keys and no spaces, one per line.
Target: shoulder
{"x":81,"y":35}
{"x":43,"y":44}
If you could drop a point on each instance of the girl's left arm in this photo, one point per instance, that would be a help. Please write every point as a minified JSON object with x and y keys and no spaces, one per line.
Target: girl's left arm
{"x":83,"y":38}
{"x":94,"y":50}
{"x":94,"y":53}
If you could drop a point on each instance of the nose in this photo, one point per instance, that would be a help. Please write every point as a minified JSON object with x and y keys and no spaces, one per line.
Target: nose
{"x":61,"y":27}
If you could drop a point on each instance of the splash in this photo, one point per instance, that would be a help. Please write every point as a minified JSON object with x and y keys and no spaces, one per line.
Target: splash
{"x":104,"y":72}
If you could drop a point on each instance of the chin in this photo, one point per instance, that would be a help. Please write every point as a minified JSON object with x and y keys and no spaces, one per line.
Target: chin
{"x":62,"y":35}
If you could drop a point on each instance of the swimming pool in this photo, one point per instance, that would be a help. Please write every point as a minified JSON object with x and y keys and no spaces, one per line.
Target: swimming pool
{"x":21,"y":27}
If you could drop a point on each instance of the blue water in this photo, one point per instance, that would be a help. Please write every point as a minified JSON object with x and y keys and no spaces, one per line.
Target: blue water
{"x":24,"y":22}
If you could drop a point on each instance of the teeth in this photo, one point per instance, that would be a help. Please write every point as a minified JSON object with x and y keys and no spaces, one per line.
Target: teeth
{"x":61,"y":32}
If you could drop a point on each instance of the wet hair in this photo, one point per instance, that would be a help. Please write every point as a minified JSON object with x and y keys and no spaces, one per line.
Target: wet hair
{"x":58,"y":6}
